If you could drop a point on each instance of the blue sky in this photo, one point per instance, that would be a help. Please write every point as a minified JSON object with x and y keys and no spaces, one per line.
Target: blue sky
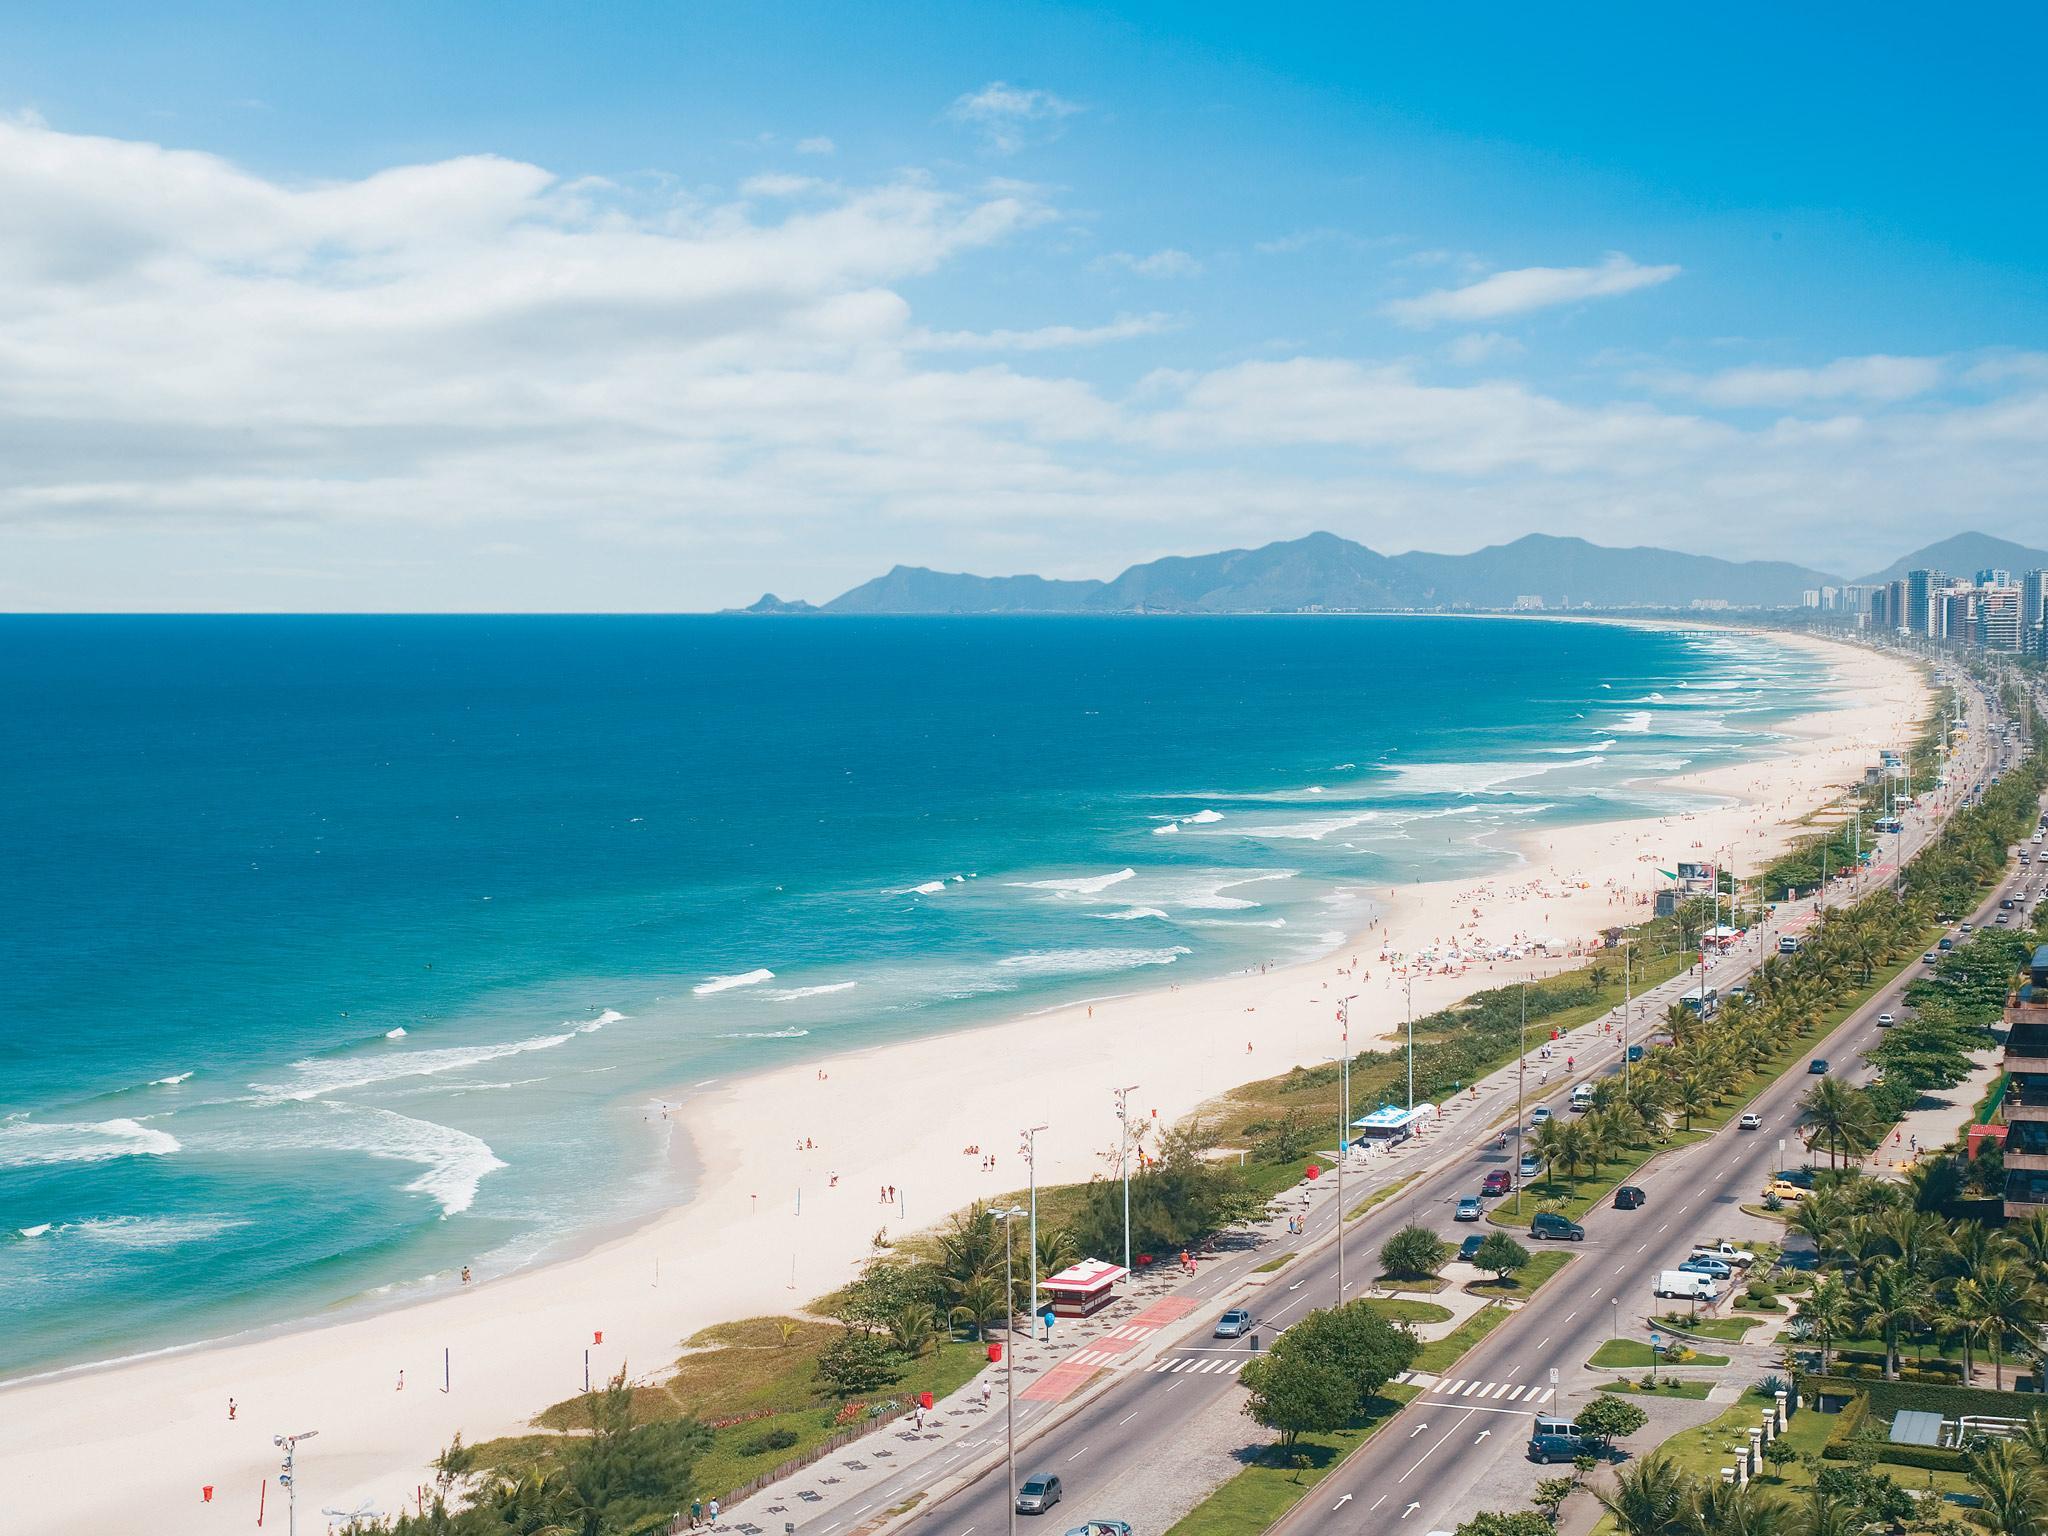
{"x":649,"y":306}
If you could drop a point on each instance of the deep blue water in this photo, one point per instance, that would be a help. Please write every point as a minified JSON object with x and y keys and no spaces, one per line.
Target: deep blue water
{"x":238,"y":854}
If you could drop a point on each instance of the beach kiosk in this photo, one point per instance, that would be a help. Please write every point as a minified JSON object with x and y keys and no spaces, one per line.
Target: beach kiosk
{"x":1083,"y":1289}
{"x":1391,"y":1123}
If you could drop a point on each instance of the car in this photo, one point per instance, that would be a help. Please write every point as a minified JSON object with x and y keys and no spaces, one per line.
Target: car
{"x":1885,"y":1021}
{"x":1784,"y":1189}
{"x":1498,"y":1181}
{"x":1234,"y":1324}
{"x":1102,"y":1528}
{"x":1539,"y":1115}
{"x":1550,"y":1224}
{"x":1946,"y":945}
{"x":1469,"y":1208}
{"x":1700,"y":1264}
{"x":1965,"y":928}
{"x":1629,"y":1197}
{"x":1468,"y":1250}
{"x":1549,"y":1448}
{"x":1038,"y":1494}
{"x":1635,"y":1053}
{"x":2002,"y":919}
{"x":1726,"y":1252}
{"x":2005,"y":905}
{"x":1531,"y":1165}
{"x":1751,"y":1120}
{"x":1818,"y":1067}
{"x":1929,"y":957}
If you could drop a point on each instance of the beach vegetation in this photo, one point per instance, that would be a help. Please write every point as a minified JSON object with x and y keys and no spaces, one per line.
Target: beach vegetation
{"x":858,"y":1362}
{"x":1178,"y":1197}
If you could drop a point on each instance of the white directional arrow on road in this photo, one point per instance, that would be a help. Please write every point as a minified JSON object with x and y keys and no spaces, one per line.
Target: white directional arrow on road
{"x":1411,"y":1509}
{"x":1340,"y":1503}
{"x":1482,"y":1435}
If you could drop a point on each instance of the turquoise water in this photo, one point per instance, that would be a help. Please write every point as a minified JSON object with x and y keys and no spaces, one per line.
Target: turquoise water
{"x":340,"y":952}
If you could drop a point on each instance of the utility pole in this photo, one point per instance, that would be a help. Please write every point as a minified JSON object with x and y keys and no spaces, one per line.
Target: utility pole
{"x":1409,"y":981}
{"x":1627,"y":1002}
{"x":1031,"y":1162}
{"x":1521,"y":1071}
{"x":1123,"y":1159}
{"x":1007,"y":1218}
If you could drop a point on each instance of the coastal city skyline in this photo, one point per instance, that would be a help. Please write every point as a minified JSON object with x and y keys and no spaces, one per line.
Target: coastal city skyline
{"x":662,"y":310}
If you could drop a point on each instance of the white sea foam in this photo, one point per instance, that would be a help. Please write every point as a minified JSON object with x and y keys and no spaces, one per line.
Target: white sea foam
{"x":1634,"y":723}
{"x":929,"y":888}
{"x":1074,"y":962}
{"x":395,"y":1034}
{"x":28,"y":1143}
{"x":1205,"y":894}
{"x":149,"y":1232}
{"x":1128,"y":914}
{"x":169,"y":1082}
{"x":609,"y":1016}
{"x":727,"y":983}
{"x":1587,"y":746}
{"x":1310,"y":831}
{"x":1204,"y":817}
{"x":1237,"y":922}
{"x":36,"y":1231}
{"x":792,"y":994}
{"x":1171,"y":826}
{"x":319,"y":1076}
{"x":766,"y":1034}
{"x":1080,"y":885}
{"x":454,"y":1161}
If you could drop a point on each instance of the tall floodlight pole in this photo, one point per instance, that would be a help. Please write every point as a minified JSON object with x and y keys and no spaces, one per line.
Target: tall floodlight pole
{"x":289,"y":1477}
{"x":1410,"y":983}
{"x":1344,"y":1018}
{"x":1007,"y":1218}
{"x":1521,"y":1071}
{"x":1123,"y":1160}
{"x":1627,"y":1001}
{"x":1031,"y":1162}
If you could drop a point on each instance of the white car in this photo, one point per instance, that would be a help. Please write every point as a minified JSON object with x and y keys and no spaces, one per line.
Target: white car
{"x":1885,"y":1021}
{"x":1751,"y":1120}
{"x":1725,"y":1251}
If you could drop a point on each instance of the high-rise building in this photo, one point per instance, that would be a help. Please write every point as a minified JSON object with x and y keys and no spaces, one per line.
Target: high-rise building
{"x":1810,"y":598}
{"x":2026,"y":1091}
{"x":1994,"y":578}
{"x":1998,"y":618}
{"x":2034,"y":613}
{"x":1921,"y":615}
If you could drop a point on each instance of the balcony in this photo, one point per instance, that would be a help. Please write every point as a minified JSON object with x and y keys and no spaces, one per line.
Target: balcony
{"x":2026,"y":1047}
{"x":2026,"y":1145}
{"x":2026,"y":1191}
{"x":2026,"y":1097}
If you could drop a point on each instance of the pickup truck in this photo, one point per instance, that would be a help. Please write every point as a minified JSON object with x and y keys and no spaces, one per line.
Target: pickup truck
{"x":1726,"y":1252}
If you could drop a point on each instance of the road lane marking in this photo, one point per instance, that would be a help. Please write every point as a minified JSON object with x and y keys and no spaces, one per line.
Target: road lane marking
{"x":1078,"y":1454}
{"x":1571,"y":1314}
{"x":1596,"y":1291}
{"x":1642,"y":1246}
{"x":1517,"y":1393}
{"x":1120,"y":1423}
{"x":1546,"y":1340}
{"x":1425,"y":1456}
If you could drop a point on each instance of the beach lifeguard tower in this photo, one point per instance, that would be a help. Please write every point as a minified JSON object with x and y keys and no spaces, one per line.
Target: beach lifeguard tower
{"x":1083,"y":1289}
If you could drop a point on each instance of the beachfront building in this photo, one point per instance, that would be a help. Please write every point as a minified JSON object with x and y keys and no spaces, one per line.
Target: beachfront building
{"x":2026,"y":1091}
{"x":1391,"y":1123}
{"x":1083,"y":1289}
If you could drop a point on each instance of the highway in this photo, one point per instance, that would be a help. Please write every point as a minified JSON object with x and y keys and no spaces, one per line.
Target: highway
{"x":1410,"y":1477}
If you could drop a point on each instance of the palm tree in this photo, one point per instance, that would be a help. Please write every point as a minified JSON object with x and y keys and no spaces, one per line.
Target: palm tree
{"x":2008,"y":1483}
{"x":2032,"y":1236}
{"x":2006,"y":1300}
{"x":2032,"y":1437}
{"x":1650,"y":1498}
{"x":1841,"y":1119}
{"x":1820,"y":1217}
{"x":1731,"y":1509}
{"x":1056,"y":1249}
{"x":913,"y":1328}
{"x":1692,"y":1094}
{"x":1919,"y":1240}
{"x":1893,"y":1295}
{"x":1550,"y":1145}
{"x":979,"y":1301}
{"x":1829,"y":1514}
{"x":1828,"y":1311}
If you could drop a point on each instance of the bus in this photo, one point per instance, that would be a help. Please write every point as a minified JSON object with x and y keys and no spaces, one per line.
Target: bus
{"x":1704,"y":1001}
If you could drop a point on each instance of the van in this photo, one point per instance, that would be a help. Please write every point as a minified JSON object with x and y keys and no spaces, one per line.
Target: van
{"x":1550,"y":1224}
{"x":1582,"y":1098}
{"x":1687,"y":1285}
{"x":1552,"y":1424}
{"x":1788,"y":945}
{"x":1546,"y":1449}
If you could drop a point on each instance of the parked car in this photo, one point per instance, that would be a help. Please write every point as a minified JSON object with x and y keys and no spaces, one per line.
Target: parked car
{"x":1965,"y":928}
{"x":1726,"y":1252}
{"x":1497,"y":1182}
{"x":1687,"y":1285}
{"x":1818,"y":1067}
{"x":1469,"y":1208}
{"x":1751,"y":1120}
{"x":1784,"y":1189}
{"x":1549,"y":1448}
{"x":1234,"y":1324}
{"x":1628,"y":1198}
{"x":1039,"y":1494}
{"x":1550,"y":1224}
{"x":1700,"y":1264}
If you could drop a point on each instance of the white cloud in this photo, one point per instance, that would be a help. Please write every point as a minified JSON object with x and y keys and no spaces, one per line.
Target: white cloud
{"x":1166,"y":263}
{"x":1045,"y":338}
{"x":1476,"y":347}
{"x":1529,"y":288}
{"x":1876,"y":378}
{"x":818,"y":145}
{"x":1008,"y":117}
{"x":779,"y":184}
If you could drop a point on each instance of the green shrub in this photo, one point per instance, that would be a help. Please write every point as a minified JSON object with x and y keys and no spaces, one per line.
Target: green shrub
{"x":769,"y":1440}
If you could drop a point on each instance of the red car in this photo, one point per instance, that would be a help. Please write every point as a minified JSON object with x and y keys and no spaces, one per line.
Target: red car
{"x":1496,"y":1182}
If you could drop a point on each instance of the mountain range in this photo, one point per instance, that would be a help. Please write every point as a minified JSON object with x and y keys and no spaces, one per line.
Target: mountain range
{"x":1323,"y":573}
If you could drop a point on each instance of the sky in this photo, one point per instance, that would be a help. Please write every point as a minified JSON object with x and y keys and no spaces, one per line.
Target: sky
{"x":661,"y":306}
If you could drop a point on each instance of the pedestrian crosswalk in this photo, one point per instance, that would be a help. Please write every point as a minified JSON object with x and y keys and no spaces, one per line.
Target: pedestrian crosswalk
{"x":1462,"y":1389}
{"x":1133,"y":1331}
{"x":1196,"y":1365}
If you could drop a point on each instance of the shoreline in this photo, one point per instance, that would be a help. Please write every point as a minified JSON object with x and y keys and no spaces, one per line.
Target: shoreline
{"x":876,"y":1116}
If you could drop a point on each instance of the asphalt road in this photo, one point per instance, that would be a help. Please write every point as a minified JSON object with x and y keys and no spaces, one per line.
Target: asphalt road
{"x":1411,"y":1477}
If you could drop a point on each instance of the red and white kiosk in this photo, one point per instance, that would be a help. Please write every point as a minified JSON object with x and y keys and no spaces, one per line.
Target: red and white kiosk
{"x":1083,"y":1289}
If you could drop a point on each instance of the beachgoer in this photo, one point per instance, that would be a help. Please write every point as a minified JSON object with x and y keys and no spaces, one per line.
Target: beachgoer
{"x":401,"y":1381}
{"x":465,"y":1274}
{"x":696,"y":1512}
{"x":714,"y":1511}
{"x":231,"y":1410}
{"x":986,"y":1388}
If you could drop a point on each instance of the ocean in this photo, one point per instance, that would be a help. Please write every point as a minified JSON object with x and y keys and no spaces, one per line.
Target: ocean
{"x":340,"y":952}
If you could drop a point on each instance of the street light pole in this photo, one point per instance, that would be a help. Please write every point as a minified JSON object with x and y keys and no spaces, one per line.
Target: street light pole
{"x":289,"y":1444}
{"x":1031,"y":1162}
{"x":1521,"y":1071}
{"x":1010,"y":1366}
{"x":1409,"y":981}
{"x":1123,"y":1160}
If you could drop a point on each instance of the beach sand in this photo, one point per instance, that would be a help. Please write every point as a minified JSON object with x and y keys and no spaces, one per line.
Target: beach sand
{"x":98,"y":1449}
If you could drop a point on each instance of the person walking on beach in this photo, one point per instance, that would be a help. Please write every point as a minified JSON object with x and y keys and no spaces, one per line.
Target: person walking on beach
{"x":231,"y":1410}
{"x":401,"y":1380}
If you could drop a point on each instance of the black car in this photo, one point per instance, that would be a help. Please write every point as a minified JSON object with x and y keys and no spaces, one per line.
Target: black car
{"x":1629,"y":1198}
{"x":1470,"y":1247}
{"x":1818,"y":1067}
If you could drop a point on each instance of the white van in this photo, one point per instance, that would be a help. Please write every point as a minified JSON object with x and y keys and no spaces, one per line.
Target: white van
{"x":1686,"y":1286}
{"x":1582,"y":1098}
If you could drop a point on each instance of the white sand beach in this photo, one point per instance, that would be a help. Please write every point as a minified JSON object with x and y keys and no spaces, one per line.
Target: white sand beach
{"x":97,"y":1450}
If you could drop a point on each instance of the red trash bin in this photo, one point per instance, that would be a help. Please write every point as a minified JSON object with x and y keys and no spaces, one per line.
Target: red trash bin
{"x":995,"y":1352}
